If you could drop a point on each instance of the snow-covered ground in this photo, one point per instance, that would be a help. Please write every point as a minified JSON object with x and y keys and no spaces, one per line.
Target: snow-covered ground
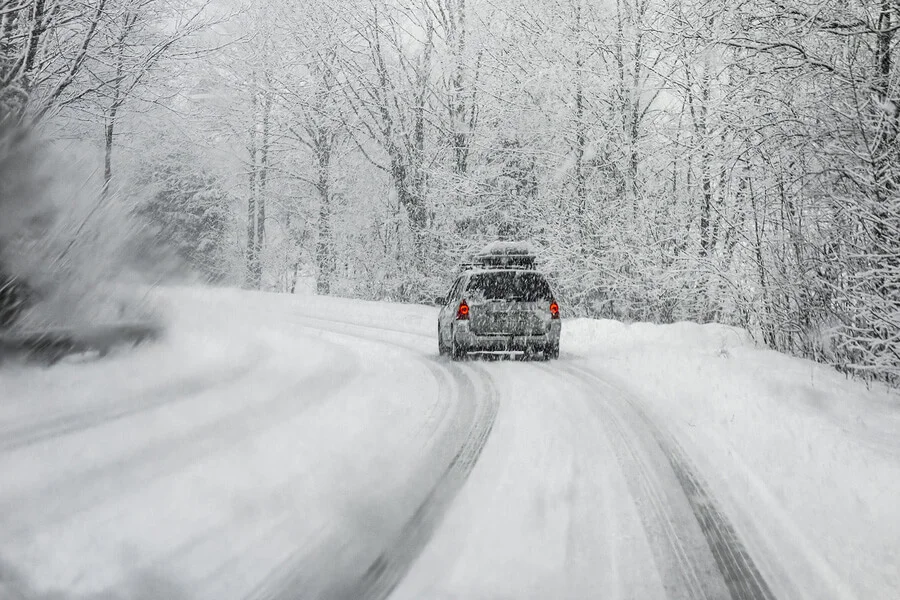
{"x":276,"y":446}
{"x":806,"y":461}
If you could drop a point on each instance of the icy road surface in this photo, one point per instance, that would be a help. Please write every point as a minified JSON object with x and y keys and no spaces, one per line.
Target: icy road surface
{"x":290,"y":447}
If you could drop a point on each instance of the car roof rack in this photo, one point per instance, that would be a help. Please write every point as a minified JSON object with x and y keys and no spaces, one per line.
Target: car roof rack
{"x":502,"y":255}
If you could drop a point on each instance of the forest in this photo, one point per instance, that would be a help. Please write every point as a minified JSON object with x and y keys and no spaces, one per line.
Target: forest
{"x":698,"y":160}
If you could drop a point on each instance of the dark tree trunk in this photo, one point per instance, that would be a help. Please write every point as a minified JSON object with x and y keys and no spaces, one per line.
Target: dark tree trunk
{"x":109,"y":130}
{"x":37,"y":30}
{"x":702,"y":129}
{"x":325,"y":242}
{"x":118,"y":99}
{"x":885,"y":149}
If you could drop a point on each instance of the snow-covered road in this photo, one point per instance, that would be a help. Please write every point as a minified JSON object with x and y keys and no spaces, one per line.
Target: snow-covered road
{"x":295,"y":447}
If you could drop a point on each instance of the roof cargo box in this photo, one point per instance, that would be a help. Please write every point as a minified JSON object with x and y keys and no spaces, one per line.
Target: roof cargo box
{"x":503,"y":255}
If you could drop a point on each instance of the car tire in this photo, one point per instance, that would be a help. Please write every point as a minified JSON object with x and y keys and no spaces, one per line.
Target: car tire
{"x":456,"y":353}
{"x":551,"y":351}
{"x":442,"y":349}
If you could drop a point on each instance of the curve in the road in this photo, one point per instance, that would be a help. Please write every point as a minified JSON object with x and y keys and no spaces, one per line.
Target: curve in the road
{"x":391,"y":565}
{"x":456,"y":452}
{"x":732,"y":562}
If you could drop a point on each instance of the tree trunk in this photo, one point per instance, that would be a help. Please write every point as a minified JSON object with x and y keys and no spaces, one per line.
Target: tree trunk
{"x":886,"y":120}
{"x":702,"y":130}
{"x":458,"y":109}
{"x":252,"y":255}
{"x":117,"y":101}
{"x":109,"y":132}
{"x":580,"y":135}
{"x":37,"y":30}
{"x":325,"y":243}
{"x":263,"y":180}
{"x":418,"y":213}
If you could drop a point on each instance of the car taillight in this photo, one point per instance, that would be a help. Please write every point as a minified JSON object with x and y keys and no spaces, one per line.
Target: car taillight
{"x":554,"y":310}
{"x":462,"y":313}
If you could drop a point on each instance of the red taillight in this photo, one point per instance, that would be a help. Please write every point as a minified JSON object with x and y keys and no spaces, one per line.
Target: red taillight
{"x":554,"y":310}
{"x":462,"y":313}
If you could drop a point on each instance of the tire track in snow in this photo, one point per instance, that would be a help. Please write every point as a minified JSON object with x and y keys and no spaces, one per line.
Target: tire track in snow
{"x":379,"y":577}
{"x":734,"y":563}
{"x":686,"y":567}
{"x":389,"y":568}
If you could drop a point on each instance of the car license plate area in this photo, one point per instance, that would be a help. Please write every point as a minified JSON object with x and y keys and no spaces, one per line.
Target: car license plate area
{"x":514,"y":323}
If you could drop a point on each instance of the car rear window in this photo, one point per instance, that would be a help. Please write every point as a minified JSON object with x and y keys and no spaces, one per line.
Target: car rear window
{"x":510,"y":285}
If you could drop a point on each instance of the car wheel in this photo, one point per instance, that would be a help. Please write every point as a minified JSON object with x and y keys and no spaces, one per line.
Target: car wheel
{"x":456,"y":352}
{"x":551,"y":351}
{"x":442,"y":349}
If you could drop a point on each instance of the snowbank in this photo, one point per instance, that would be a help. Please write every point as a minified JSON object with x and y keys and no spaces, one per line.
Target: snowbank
{"x":598,"y":336}
{"x":805,"y":460}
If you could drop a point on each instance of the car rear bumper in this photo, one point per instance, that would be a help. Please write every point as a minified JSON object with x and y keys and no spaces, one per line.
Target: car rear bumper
{"x":471,"y":342}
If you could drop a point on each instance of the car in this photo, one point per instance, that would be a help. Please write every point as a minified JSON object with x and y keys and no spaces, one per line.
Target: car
{"x":500,"y":303}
